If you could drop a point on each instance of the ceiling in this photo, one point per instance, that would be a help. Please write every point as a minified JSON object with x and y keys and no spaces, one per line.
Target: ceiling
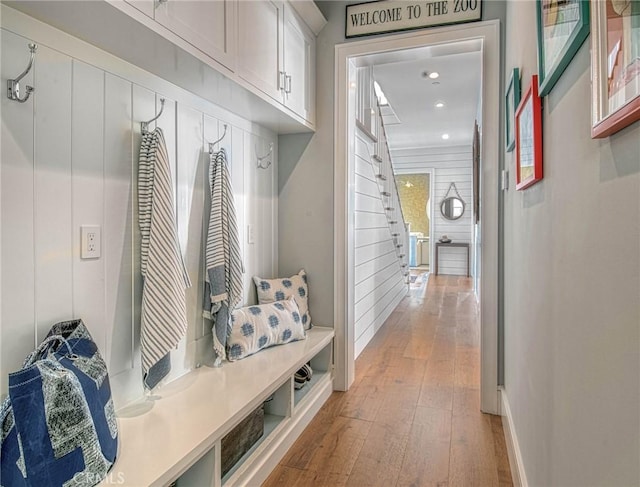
{"x":412,"y":119}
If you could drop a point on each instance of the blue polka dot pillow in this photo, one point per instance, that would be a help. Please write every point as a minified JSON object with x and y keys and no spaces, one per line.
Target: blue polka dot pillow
{"x":271,"y":290}
{"x":265,"y":325}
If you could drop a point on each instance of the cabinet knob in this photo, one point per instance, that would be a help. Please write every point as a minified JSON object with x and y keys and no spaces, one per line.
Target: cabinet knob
{"x":281,"y":80}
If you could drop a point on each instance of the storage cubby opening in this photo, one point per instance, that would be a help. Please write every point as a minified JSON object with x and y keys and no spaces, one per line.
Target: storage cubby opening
{"x":277,"y":408}
{"x":323,"y":360}
{"x":279,"y":404}
{"x":271,"y":424}
{"x":202,"y":473}
{"x":300,"y":394}
{"x":321,"y":364}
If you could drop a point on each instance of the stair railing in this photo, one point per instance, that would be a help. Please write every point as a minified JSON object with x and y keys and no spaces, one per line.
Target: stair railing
{"x":383,"y":166}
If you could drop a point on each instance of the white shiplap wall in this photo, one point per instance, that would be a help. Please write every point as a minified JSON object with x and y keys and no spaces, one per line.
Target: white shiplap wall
{"x":379,"y":280}
{"x":450,"y":164}
{"x":68,"y":158}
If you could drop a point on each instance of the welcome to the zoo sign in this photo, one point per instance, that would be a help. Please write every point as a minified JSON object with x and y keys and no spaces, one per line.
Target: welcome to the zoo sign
{"x":394,"y":15}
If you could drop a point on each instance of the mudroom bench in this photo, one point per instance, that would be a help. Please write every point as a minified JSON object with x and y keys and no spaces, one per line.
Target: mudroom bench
{"x":179,"y":439}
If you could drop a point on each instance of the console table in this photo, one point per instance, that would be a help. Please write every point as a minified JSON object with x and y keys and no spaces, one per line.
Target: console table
{"x":451,"y":244}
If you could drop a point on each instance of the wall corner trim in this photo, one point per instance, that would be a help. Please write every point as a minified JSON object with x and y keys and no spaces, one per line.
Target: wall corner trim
{"x":518,"y":474}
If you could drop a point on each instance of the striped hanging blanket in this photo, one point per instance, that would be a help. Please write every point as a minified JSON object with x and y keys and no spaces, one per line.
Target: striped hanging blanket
{"x":164,"y":318}
{"x":224,"y":269}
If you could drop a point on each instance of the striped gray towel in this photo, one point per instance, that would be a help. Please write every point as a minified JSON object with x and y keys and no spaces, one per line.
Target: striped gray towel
{"x":223,"y":286}
{"x":164,"y":318}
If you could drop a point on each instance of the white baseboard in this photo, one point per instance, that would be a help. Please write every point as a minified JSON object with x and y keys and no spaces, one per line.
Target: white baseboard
{"x":513,"y":448}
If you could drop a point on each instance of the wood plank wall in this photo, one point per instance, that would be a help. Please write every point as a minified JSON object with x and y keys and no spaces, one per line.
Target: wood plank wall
{"x":69,"y":157}
{"x":379,"y":283}
{"x":451,"y":164}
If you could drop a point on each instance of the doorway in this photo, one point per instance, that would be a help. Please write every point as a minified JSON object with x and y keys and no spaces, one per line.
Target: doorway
{"x":346,"y":54}
{"x":416,"y":190}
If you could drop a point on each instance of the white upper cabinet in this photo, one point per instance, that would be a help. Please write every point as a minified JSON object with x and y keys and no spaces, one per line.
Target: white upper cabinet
{"x":263,"y":47}
{"x":276,"y":54}
{"x":299,"y":65}
{"x":260,"y":45}
{"x":210,"y":26}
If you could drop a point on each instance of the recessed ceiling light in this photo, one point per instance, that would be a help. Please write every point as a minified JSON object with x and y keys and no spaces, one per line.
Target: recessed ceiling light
{"x":445,"y":136}
{"x":430,"y":74}
{"x":439,"y":104}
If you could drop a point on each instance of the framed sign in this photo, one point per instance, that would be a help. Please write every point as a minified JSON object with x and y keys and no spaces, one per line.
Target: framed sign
{"x":512,"y":99}
{"x":529,"y":138}
{"x":562,"y":28}
{"x":396,"y":15}
{"x":615,"y":65}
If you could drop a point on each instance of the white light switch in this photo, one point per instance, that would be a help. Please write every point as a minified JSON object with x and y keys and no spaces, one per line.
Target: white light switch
{"x":504,"y":184}
{"x":251,"y":238}
{"x":90,"y":242}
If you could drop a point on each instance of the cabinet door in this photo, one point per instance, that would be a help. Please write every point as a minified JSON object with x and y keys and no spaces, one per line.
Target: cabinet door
{"x":260,"y":45}
{"x":209,"y":26}
{"x":299,"y":65}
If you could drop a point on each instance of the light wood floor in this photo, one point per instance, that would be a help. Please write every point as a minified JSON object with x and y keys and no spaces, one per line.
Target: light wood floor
{"x":412,"y":416}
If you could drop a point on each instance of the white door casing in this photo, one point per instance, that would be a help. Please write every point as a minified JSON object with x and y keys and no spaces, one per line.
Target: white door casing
{"x":489,"y":32}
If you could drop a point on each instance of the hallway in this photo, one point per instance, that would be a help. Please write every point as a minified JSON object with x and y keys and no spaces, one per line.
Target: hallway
{"x":412,"y":416}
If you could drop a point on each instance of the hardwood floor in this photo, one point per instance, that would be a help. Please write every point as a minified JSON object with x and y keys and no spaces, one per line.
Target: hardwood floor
{"x":412,"y":416}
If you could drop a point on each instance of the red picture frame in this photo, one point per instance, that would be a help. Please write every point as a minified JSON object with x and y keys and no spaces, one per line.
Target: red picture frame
{"x":528,"y":134}
{"x":615,"y":67}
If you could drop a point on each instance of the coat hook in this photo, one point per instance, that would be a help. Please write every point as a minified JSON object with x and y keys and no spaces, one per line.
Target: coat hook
{"x":212,"y":144}
{"x":13,"y":85}
{"x":145,"y":125}
{"x":262,"y":158}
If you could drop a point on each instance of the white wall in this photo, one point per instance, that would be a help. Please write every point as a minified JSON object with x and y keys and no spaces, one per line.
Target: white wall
{"x":69,"y":157}
{"x":379,"y":281}
{"x":450,"y":164}
{"x":572,"y":287}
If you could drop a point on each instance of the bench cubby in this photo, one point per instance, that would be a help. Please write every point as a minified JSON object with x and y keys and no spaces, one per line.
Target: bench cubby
{"x":179,"y":438}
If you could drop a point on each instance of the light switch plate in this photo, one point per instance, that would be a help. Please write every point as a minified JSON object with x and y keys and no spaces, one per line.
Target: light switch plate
{"x":251,"y":238}
{"x":90,"y":242}
{"x":504,"y":180}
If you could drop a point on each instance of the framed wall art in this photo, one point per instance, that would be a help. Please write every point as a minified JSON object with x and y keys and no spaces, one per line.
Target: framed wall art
{"x":512,"y":99}
{"x":615,"y":65}
{"x":528,"y":133}
{"x":562,"y":28}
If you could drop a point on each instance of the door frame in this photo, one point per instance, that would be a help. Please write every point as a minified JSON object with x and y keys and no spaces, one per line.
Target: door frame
{"x":344,"y":127}
{"x":432,"y":180}
{"x":431,"y":171}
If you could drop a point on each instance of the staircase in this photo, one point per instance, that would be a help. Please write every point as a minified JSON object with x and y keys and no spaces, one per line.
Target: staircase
{"x":389,"y":192}
{"x":381,"y":236}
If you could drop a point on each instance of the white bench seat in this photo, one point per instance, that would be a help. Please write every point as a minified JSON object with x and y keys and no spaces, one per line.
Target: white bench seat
{"x":194,"y":412}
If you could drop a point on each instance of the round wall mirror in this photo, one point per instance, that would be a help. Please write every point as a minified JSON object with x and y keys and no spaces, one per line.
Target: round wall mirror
{"x":452,"y":208}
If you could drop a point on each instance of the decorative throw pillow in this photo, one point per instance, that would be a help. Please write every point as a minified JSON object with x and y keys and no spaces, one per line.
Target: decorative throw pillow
{"x":257,"y":327}
{"x":271,"y":290}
